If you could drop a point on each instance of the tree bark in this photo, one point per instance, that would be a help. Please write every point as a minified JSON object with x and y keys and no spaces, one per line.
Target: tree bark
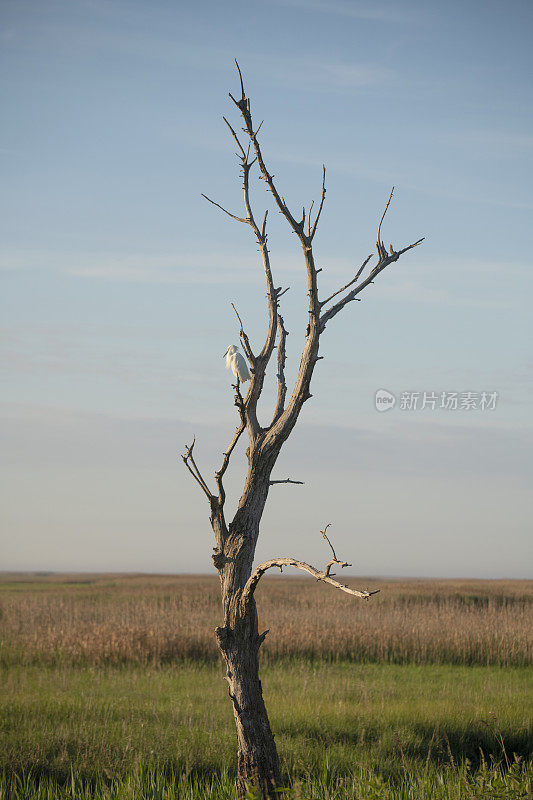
{"x":239,"y":642}
{"x":257,"y":757}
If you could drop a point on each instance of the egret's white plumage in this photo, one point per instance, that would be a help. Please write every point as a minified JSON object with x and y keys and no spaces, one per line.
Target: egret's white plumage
{"x":237,"y":363}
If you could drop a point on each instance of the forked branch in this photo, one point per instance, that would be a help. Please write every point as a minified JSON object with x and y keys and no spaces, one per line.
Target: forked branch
{"x":241,"y":406}
{"x":225,"y":463}
{"x":384,"y":259}
{"x":284,"y":419}
{"x":243,"y":104}
{"x":258,"y":363}
{"x":334,"y":560}
{"x":267,"y":442}
{"x":324,"y":575}
{"x":354,"y":280}
{"x":190,"y":463}
{"x":326,"y":537}
{"x":382,"y":252}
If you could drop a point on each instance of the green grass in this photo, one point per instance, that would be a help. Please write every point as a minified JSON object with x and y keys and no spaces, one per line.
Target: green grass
{"x":459,"y":783}
{"x":344,"y":730}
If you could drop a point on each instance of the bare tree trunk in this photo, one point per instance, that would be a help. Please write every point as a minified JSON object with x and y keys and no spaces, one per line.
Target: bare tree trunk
{"x":258,"y":763}
{"x":239,"y":642}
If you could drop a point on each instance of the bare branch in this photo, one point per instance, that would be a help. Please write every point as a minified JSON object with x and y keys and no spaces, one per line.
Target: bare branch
{"x":268,"y":442}
{"x":354,"y":280}
{"x":243,"y":96}
{"x":385,"y":259}
{"x":287,"y":480}
{"x":188,"y":460}
{"x":260,"y":362}
{"x":380,"y":247}
{"x":328,"y":540}
{"x":239,"y":402}
{"x":409,"y":247}
{"x":261,"y":237}
{"x":225,"y":463}
{"x":322,"y":198}
{"x":280,"y":373}
{"x":334,"y":560}
{"x":239,"y":145}
{"x":309,"y":219}
{"x":324,"y":576}
{"x":389,"y":259}
{"x":286,"y":421}
{"x":244,"y":107}
{"x":244,"y":338}
{"x":233,"y":216}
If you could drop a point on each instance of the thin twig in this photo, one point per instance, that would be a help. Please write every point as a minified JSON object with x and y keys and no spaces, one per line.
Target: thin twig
{"x":245,"y":340}
{"x":331,"y":312}
{"x":233,"y":216}
{"x":328,"y":539}
{"x":188,"y":460}
{"x":239,"y":145}
{"x":354,"y":280}
{"x":322,"y":198}
{"x":225,"y":463}
{"x":280,"y":372}
{"x":379,"y":244}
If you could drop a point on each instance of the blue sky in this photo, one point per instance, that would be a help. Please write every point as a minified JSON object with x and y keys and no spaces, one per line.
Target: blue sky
{"x":117,"y":277}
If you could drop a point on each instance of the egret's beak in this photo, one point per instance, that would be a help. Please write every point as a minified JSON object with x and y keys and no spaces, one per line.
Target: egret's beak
{"x":226,"y":353}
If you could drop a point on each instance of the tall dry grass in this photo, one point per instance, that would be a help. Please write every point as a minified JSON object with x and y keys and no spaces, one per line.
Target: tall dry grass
{"x":118,"y":619}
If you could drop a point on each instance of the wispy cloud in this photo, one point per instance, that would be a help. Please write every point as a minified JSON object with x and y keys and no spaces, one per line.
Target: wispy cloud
{"x":436,"y":448}
{"x":376,"y":12}
{"x":228,"y":266}
{"x":434,"y":180}
{"x":194,"y":267}
{"x":318,"y":74}
{"x":502,"y":142}
{"x":307,"y":73}
{"x":441,"y":281}
{"x":159,"y":268}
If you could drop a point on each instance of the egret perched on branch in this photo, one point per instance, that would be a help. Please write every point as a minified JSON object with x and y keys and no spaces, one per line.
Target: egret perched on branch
{"x":237,"y":363}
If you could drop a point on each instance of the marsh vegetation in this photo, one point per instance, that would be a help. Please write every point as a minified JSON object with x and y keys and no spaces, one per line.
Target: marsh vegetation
{"x":111,"y":687}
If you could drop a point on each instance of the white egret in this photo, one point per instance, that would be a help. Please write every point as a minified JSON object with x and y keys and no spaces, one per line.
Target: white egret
{"x":237,"y":363}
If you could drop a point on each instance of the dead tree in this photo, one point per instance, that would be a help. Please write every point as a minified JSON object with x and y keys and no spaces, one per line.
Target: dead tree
{"x":238,"y":637}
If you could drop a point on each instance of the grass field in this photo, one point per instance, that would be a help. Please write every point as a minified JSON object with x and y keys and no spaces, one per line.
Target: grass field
{"x":110,"y":688}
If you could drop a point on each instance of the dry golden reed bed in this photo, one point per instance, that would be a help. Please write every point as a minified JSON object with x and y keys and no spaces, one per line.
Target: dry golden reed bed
{"x":151,"y":619}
